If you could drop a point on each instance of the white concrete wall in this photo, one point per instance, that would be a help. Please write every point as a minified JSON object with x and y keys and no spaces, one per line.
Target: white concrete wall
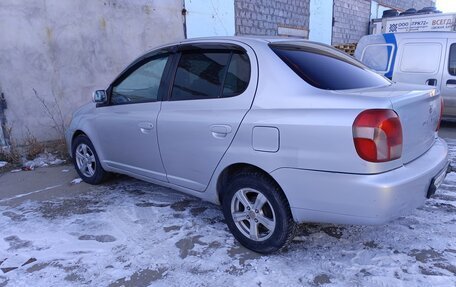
{"x":209,"y":18}
{"x":67,"y":48}
{"x":320,"y":22}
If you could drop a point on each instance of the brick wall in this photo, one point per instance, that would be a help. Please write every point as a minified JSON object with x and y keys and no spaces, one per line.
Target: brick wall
{"x":263,"y":17}
{"x":351,"y":20}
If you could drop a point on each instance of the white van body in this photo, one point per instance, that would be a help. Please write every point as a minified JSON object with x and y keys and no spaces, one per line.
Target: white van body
{"x":427,"y":58}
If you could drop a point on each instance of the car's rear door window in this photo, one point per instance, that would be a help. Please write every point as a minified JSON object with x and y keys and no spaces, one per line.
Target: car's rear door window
{"x":199,"y":75}
{"x":326,"y":68}
{"x":210,"y":74}
{"x":237,"y":76}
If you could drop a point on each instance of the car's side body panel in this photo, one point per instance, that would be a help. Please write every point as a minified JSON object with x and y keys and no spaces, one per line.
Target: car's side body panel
{"x":126,"y":128}
{"x":129,"y":138}
{"x":194,"y":136}
{"x":308,"y":119}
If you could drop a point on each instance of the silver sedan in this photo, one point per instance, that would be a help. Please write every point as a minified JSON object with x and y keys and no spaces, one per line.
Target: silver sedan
{"x":276,"y":131}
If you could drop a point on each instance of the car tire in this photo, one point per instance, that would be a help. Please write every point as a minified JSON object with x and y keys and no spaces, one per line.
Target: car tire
{"x":86,"y":161}
{"x":252,"y":199}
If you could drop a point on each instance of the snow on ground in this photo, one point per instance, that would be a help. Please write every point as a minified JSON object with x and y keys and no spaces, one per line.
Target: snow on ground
{"x":43,"y":160}
{"x":76,"y":180}
{"x":131,"y":233}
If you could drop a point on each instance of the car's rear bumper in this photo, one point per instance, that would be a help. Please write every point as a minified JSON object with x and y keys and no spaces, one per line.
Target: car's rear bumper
{"x":317,"y":196}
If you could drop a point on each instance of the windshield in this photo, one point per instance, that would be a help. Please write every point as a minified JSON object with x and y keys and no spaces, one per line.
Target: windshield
{"x":326,"y":68}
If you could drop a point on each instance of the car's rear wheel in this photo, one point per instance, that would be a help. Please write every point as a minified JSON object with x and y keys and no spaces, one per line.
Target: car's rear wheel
{"x":86,"y":161}
{"x":257,"y":212}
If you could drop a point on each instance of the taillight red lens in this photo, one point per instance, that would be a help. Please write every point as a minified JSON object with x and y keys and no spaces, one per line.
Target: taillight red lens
{"x":377,"y":135}
{"x":441,"y":114}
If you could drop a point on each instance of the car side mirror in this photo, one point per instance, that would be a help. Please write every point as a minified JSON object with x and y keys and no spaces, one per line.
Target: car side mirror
{"x":99,"y":96}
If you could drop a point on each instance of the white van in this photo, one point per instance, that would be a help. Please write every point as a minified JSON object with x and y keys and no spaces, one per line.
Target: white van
{"x":427,"y":58}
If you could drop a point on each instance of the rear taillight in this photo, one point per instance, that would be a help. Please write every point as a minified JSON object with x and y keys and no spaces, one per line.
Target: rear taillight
{"x":378,"y":135}
{"x":441,"y":114}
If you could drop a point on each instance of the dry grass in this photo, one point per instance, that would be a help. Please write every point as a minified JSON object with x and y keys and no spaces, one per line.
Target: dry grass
{"x":55,"y":114}
{"x":59,"y":148}
{"x":10,"y":155}
{"x":32,"y":146}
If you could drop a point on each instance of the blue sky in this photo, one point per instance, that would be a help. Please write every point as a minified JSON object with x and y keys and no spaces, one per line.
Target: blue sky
{"x":446,"y":6}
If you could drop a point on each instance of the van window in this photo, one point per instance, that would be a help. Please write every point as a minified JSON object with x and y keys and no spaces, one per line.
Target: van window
{"x":452,"y":60}
{"x":377,"y":57}
{"x":326,"y":68}
{"x":421,"y":58}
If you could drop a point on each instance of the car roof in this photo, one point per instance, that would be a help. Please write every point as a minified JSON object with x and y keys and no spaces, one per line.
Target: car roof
{"x":246,"y":39}
{"x":249,"y":40}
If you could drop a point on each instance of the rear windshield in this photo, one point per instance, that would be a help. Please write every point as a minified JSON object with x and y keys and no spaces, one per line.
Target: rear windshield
{"x":326,"y":68}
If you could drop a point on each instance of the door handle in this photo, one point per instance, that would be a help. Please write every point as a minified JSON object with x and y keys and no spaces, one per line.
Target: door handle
{"x":146,"y":127}
{"x":431,"y":82}
{"x":220,"y":131}
{"x":451,"y":84}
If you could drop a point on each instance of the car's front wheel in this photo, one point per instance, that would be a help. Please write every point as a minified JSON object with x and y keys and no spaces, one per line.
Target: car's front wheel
{"x":86,"y":161}
{"x":257,"y":212}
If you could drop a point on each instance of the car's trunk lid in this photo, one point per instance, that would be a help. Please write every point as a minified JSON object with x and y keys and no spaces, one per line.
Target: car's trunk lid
{"x":419,"y":112}
{"x":418,"y":108}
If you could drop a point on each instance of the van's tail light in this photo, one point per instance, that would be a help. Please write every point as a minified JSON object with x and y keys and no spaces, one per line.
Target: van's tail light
{"x":441,"y":114}
{"x":378,"y":135}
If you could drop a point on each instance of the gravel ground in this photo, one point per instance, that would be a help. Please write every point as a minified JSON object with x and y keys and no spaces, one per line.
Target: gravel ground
{"x":132,"y":233}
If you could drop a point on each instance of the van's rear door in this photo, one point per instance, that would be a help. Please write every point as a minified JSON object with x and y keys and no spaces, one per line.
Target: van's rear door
{"x":420,"y":61}
{"x":448,"y":83}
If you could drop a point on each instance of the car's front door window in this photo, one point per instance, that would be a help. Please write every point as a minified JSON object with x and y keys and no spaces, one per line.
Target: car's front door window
{"x":141,"y":85}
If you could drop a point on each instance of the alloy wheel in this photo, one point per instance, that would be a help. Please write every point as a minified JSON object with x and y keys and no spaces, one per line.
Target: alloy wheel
{"x":85,"y":160}
{"x":253,"y":214}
